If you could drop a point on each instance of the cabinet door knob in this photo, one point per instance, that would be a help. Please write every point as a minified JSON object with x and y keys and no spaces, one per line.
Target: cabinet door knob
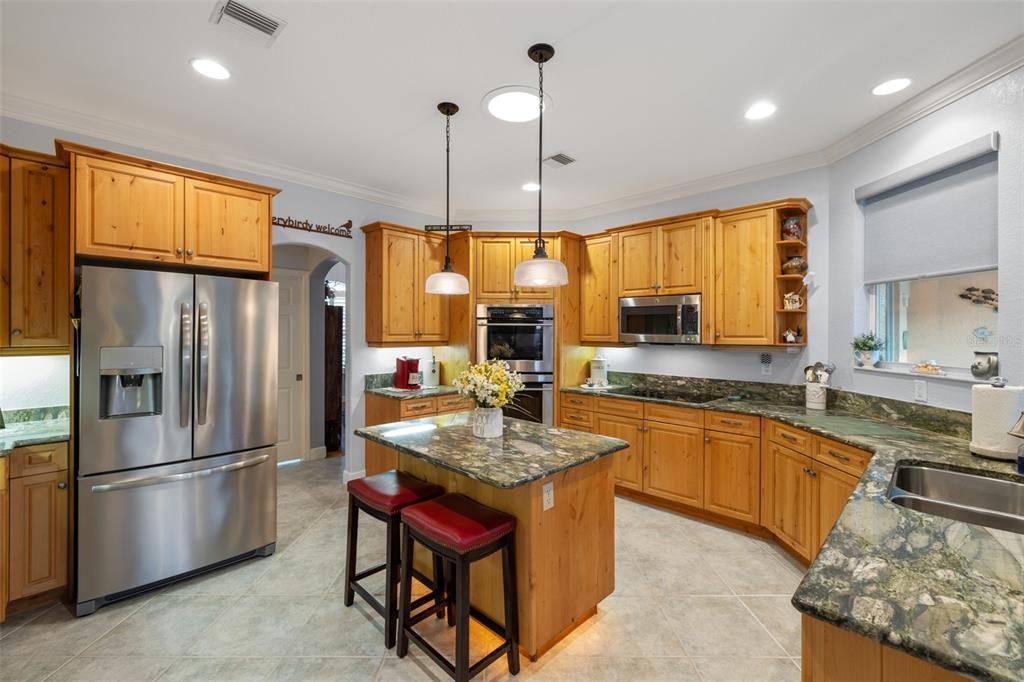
{"x":15,"y":332}
{"x":179,"y":251}
{"x":188,"y":252}
{"x":707,"y":439}
{"x":717,"y":334}
{"x":62,"y":485}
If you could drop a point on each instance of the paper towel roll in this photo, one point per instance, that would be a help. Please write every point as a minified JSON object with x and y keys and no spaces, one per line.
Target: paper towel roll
{"x":994,"y":411}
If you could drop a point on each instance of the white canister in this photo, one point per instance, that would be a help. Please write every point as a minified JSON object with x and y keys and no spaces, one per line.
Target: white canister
{"x":599,"y":371}
{"x":816,"y":395}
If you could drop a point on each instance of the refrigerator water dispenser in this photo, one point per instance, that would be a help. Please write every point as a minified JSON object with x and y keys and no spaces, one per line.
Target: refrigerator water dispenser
{"x":131,"y":380}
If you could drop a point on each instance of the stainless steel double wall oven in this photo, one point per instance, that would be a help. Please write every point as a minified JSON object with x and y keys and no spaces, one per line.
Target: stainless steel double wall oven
{"x":523,"y":335}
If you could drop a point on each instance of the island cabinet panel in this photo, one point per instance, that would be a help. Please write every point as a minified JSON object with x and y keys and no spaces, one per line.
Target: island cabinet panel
{"x":831,"y":654}
{"x":39,"y":533}
{"x":679,"y":258}
{"x":674,"y":462}
{"x":732,"y":470}
{"x":128,"y":212}
{"x":628,"y":462}
{"x":599,"y":311}
{"x":744,"y":279}
{"x":38,"y":264}
{"x":638,"y":262}
{"x":495,"y":263}
{"x":833,"y":492}
{"x":792,"y":490}
{"x":226,"y":227}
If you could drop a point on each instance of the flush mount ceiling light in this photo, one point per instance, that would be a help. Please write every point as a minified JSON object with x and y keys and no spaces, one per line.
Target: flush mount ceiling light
{"x":514,"y":103}
{"x":447,"y":282}
{"x":210,"y":69}
{"x":540,"y":271}
{"x":530,"y":187}
{"x":890,"y":86}
{"x":759,"y":110}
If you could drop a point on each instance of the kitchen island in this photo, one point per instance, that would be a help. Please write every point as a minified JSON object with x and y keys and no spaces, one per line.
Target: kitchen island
{"x":565,"y":545}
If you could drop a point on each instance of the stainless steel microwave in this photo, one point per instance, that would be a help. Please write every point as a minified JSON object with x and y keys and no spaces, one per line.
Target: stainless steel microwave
{"x":660,"y":319}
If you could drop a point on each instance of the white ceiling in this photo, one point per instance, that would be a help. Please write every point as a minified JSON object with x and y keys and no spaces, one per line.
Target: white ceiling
{"x":645,"y":95}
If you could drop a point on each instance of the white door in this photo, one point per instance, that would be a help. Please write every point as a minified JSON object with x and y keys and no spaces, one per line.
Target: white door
{"x":292,"y":426}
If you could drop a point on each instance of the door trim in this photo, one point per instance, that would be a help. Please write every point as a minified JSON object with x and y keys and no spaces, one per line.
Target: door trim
{"x":303,"y":275}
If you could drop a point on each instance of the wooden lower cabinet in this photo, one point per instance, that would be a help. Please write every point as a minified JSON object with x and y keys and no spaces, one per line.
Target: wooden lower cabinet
{"x":831,"y":654}
{"x":39,"y":533}
{"x":732,"y":475}
{"x":379,"y":409}
{"x":674,"y":462}
{"x":791,"y":486}
{"x":628,"y":469}
{"x":834,"y":488}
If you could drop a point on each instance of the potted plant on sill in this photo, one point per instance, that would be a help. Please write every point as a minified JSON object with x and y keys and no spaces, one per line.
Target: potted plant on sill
{"x":492,"y":385}
{"x":867,"y":349}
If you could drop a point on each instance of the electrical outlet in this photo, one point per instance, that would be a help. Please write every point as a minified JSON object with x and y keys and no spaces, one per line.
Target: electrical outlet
{"x":766,"y":364}
{"x":549,"y":495}
{"x":920,"y":391}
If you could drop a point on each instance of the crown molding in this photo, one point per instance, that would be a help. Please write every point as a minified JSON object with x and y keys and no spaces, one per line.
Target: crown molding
{"x":971,"y":78}
{"x":163,"y":142}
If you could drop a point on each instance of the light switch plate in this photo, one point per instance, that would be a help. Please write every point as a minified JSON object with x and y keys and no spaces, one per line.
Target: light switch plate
{"x":549,"y":495}
{"x":920,"y":391}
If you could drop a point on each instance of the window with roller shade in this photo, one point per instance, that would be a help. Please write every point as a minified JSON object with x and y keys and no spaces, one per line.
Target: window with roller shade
{"x":930,"y":257}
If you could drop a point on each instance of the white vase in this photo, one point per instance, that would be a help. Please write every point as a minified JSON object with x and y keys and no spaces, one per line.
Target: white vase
{"x":488,"y":422}
{"x":867,"y":358}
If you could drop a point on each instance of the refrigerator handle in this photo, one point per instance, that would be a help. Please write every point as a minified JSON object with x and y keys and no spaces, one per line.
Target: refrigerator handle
{"x":204,"y":362}
{"x":186,"y":364}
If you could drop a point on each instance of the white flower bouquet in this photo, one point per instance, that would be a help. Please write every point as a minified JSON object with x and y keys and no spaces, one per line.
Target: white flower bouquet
{"x":490,"y":384}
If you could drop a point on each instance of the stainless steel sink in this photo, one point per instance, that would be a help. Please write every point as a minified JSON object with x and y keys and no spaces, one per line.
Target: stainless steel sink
{"x":971,"y":498}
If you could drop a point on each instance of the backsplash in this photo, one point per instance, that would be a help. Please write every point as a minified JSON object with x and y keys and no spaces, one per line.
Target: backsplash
{"x":385,"y":380}
{"x":34,"y":414}
{"x":937,"y":419}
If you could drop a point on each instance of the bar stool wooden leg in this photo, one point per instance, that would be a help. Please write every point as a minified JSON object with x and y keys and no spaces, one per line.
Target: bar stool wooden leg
{"x":391,"y":579}
{"x":508,"y":569}
{"x":350,"y":551}
{"x":405,"y":594}
{"x":461,"y":620}
{"x":440,"y":600}
{"x":449,"y":574}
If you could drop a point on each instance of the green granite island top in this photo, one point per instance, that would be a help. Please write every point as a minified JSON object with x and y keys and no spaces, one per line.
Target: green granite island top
{"x":526,"y":452}
{"x":945,"y":591}
{"x":20,"y":434}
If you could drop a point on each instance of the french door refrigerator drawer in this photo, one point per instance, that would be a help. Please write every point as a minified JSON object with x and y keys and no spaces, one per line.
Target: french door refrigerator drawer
{"x":146,"y":526}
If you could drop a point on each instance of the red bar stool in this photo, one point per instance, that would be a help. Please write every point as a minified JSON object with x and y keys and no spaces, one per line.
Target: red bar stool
{"x":461,"y":531}
{"x":383,"y":496}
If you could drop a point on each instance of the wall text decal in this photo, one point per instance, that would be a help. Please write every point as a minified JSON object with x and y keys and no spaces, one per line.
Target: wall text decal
{"x":342,"y":230}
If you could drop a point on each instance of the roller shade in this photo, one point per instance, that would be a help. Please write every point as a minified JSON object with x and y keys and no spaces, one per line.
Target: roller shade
{"x":943,"y":223}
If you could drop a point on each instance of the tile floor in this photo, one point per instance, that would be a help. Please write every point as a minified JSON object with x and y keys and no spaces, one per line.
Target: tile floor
{"x":694,"y":602}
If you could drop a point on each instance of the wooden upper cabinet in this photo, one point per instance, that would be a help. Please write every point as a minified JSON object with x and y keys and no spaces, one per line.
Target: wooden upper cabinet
{"x":792,"y":491}
{"x":5,"y":283}
{"x":638,"y":269}
{"x":226,"y":227}
{"x":674,"y":462}
{"x":679,"y":258}
{"x":732,"y":475}
{"x":39,"y":226}
{"x":398,"y":309}
{"x":744,"y":278}
{"x":599,"y":308}
{"x":127,"y":211}
{"x":495,"y":265}
{"x":432,"y":308}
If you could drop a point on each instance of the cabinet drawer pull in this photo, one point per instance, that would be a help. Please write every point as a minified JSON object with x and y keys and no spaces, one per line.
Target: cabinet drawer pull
{"x":788,"y":436}
{"x":575,"y":417}
{"x":810,"y":472}
{"x":839,"y":456}
{"x":731,"y":422}
{"x":62,"y":485}
{"x":574,"y":401}
{"x":419,"y":407}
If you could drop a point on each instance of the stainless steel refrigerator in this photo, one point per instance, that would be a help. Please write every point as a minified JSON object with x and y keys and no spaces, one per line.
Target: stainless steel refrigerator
{"x":176,"y":417}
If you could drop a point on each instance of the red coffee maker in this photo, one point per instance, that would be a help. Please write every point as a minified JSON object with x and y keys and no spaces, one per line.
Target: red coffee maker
{"x":407,"y":373}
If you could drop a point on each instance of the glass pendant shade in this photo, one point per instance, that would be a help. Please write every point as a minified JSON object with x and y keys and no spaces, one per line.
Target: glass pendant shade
{"x":447,"y":282}
{"x":541,"y":272}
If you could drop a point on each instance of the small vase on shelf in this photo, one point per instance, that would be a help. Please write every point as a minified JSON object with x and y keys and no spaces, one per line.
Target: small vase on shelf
{"x":487,"y":422}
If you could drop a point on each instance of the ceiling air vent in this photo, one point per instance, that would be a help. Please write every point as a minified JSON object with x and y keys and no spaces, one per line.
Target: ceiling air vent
{"x":252,"y":21}
{"x":558,"y":160}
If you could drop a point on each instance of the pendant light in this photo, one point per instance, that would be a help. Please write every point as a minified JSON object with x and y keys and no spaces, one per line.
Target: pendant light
{"x":541,"y":271}
{"x":447,"y":282}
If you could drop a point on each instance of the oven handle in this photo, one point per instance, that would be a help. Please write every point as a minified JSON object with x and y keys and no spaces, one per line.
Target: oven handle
{"x":515,"y":324}
{"x":538,"y":389}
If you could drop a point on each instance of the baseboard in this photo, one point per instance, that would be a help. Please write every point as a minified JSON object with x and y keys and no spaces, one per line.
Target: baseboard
{"x":347,"y":476}
{"x":318,"y":452}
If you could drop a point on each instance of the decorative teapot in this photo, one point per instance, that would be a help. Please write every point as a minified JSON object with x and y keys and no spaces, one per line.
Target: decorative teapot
{"x":792,"y":301}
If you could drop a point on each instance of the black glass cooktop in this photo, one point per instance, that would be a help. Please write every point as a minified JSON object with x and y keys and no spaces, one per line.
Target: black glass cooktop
{"x":666,"y":394}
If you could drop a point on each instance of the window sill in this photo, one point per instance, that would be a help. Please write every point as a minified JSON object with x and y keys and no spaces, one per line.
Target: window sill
{"x":901,"y":372}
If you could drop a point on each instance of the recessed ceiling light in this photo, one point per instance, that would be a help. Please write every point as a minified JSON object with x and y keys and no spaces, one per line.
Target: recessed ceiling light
{"x":759,"y":110}
{"x":514,"y":103}
{"x":531,"y":187}
{"x":210,"y":69}
{"x":890,"y":86}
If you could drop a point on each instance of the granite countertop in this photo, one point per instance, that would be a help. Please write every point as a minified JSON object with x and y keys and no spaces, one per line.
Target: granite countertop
{"x":410,"y":394}
{"x":19,"y":434}
{"x":526,"y":452}
{"x":942,"y":590}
